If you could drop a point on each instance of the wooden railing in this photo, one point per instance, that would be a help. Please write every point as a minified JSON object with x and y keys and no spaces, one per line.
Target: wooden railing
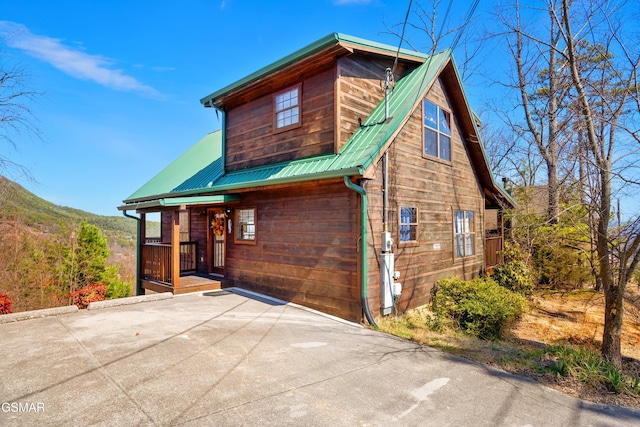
{"x":188,"y":256}
{"x":493,"y":250}
{"x":156,"y":260}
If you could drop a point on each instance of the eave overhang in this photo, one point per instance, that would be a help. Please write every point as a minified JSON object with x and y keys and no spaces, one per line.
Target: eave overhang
{"x":180,"y":201}
{"x":333,"y":45}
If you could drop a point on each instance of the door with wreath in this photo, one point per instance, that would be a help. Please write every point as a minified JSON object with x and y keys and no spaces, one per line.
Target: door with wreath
{"x":217,"y":241}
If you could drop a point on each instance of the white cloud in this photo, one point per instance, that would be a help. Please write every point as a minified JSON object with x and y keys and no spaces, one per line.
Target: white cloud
{"x":71,"y":61}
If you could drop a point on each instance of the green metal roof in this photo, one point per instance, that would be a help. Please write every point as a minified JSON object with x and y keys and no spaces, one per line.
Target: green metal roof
{"x":178,"y":179}
{"x":325,"y":42}
{"x":205,"y":158}
{"x":198,"y":172}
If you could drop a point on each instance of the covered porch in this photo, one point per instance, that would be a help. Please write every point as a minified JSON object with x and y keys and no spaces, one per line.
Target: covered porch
{"x":189,"y":255}
{"x":158,"y":267}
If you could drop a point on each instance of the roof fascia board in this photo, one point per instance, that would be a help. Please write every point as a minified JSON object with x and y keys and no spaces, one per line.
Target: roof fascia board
{"x":190,"y":197}
{"x":317,"y":46}
{"x":288,"y":180}
{"x":181,"y":201}
{"x":347,"y":42}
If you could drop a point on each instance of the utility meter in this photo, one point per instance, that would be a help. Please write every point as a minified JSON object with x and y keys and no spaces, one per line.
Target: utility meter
{"x":387,"y":241}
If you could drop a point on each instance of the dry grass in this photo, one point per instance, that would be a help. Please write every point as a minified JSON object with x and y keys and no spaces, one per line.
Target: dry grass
{"x":556,"y":319}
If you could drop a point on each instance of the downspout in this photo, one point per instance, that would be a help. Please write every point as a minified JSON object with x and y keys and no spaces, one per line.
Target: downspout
{"x":139,"y":290}
{"x":363,"y":251}
{"x":223,"y":129}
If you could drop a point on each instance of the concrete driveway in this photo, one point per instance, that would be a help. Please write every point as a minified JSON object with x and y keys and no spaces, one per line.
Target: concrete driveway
{"x":236,"y":359}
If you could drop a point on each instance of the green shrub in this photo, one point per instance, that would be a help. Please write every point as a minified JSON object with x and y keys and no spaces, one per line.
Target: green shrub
{"x":480,"y":307}
{"x":515,"y":276}
{"x":116,"y":288}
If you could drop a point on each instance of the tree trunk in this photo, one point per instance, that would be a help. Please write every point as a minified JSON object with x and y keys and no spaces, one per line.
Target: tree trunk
{"x":613,"y":292}
{"x":612,"y":334}
{"x":553,"y":209}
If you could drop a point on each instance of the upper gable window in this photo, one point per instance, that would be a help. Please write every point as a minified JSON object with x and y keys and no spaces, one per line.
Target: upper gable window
{"x":437,"y":131}
{"x":287,"y":109}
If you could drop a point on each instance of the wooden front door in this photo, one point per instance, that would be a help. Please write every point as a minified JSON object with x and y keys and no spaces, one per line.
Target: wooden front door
{"x":217,"y":247}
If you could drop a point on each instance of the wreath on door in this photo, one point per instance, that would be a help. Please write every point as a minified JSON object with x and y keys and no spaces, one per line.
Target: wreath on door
{"x":218,"y":225}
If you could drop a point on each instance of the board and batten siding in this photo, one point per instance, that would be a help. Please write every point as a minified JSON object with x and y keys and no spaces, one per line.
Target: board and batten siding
{"x":436,"y":188}
{"x":250,"y":137}
{"x":305,"y":249}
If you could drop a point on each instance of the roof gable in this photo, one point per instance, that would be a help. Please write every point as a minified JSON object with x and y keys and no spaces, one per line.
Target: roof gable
{"x":199,"y":170}
{"x":332,"y":44}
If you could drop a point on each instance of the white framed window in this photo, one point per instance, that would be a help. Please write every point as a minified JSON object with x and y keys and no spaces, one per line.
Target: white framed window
{"x":437,"y":131}
{"x":287,"y":108}
{"x":464,"y":234}
{"x":245,"y":225}
{"x":408,"y":227}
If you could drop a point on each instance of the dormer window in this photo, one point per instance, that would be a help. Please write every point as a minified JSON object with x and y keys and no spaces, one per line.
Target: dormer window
{"x":287,"y":109}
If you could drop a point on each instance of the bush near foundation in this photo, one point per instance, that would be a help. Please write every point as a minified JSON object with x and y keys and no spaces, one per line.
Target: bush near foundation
{"x":515,"y":276}
{"x":480,"y":307}
{"x":92,"y":293}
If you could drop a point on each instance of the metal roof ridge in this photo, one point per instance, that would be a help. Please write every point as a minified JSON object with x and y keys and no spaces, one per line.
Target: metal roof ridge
{"x":308,"y":50}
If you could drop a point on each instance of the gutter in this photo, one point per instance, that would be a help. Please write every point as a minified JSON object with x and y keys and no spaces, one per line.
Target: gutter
{"x":139,"y":290}
{"x":218,"y":188}
{"x":363,"y":251}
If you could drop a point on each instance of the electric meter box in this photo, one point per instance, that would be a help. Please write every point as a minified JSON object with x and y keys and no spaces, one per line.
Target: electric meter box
{"x":387,"y":241}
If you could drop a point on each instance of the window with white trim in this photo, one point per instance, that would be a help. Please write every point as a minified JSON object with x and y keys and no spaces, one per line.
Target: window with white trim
{"x":437,"y":131}
{"x":245,"y":225}
{"x":287,"y":108}
{"x":464,"y":234}
{"x":408,"y":224}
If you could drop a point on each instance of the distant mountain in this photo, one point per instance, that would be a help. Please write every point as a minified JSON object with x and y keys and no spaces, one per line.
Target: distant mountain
{"x":18,"y":203}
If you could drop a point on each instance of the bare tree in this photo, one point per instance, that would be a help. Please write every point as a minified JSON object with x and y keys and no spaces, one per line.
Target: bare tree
{"x":542,"y":85}
{"x":604,"y":99}
{"x":16,"y":118}
{"x":442,"y":29}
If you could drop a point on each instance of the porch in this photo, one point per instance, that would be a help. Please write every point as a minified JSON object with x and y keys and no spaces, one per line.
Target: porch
{"x":158,"y":271}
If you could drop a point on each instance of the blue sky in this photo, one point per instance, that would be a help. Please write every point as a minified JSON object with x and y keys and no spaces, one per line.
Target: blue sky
{"x":121,"y":80}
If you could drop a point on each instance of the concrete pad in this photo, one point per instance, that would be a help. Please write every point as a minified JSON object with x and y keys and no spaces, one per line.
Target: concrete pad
{"x":221,"y":358}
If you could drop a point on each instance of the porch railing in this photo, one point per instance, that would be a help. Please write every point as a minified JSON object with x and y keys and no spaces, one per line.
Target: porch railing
{"x":493,"y":250}
{"x":156,"y":260}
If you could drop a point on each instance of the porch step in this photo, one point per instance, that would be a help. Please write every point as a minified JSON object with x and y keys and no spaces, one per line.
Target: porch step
{"x":188,"y":284}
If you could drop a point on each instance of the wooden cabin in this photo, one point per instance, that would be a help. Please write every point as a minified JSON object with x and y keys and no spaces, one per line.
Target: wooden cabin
{"x":288,"y":197}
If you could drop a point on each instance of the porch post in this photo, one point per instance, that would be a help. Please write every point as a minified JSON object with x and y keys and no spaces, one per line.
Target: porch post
{"x":142,"y":240}
{"x":175,"y":249}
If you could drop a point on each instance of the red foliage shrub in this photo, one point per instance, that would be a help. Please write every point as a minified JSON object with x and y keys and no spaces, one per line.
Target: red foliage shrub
{"x":92,"y":293}
{"x":5,"y":304}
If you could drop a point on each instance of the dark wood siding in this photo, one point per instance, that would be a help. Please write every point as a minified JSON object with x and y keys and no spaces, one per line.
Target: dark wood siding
{"x":250,"y":138}
{"x":360,"y":89}
{"x":306,"y":248}
{"x":165,"y":226}
{"x":198,"y":233}
{"x":437,"y":189}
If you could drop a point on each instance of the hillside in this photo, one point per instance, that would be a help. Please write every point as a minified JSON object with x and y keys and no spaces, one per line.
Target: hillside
{"x":35,"y":212}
